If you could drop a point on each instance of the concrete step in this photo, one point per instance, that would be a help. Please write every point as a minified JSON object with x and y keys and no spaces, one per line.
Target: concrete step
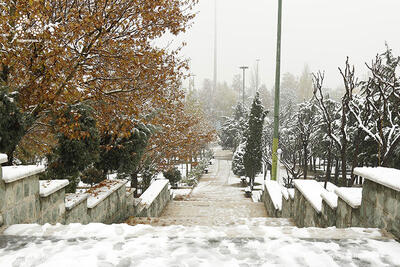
{"x":213,"y":209}
{"x":209,"y":221}
{"x":256,"y":228}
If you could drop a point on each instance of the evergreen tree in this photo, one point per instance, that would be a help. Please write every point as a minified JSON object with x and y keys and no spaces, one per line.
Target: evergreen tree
{"x":12,"y":126}
{"x":124,"y":154}
{"x":72,"y":154}
{"x":252,"y":158}
{"x":237,"y":162}
{"x":233,"y":128}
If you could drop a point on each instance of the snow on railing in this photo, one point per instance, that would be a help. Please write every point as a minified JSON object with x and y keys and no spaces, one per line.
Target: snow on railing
{"x":3,"y":158}
{"x":153,"y":191}
{"x":15,"y":173}
{"x":385,"y":176}
{"x":330,"y":198}
{"x":274,"y":191}
{"x":311,"y":190}
{"x":350,"y":195}
{"x":48,"y":187}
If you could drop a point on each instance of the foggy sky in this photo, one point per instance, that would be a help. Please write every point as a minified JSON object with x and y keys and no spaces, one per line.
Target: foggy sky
{"x":320,"y":33}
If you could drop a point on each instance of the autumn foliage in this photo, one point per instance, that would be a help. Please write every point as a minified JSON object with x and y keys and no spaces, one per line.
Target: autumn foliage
{"x":57,"y":55}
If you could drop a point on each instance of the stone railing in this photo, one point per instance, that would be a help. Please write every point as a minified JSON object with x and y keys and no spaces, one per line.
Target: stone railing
{"x":272,"y":198}
{"x":376,"y":205}
{"x":380,"y":205}
{"x":25,"y":199}
{"x":19,"y":194}
{"x":154,"y":199}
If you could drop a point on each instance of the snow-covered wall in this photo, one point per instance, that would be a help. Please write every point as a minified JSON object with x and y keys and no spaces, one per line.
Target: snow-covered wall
{"x":26,"y":199}
{"x":19,"y":200}
{"x":380,"y":205}
{"x":154,"y":199}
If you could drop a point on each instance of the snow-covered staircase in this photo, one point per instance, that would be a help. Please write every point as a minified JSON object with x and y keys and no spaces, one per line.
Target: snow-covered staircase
{"x":175,"y":245}
{"x":217,"y":226}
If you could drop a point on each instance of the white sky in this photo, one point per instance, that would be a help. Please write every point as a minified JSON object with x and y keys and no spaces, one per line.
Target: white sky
{"x":320,"y":33}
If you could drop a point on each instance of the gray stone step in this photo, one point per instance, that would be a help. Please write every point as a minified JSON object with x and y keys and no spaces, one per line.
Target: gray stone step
{"x":218,"y":210}
{"x":258,"y":228}
{"x":211,"y":221}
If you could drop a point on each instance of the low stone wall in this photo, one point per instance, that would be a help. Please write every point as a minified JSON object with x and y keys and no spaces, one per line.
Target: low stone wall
{"x":77,"y":213}
{"x":328,"y":215}
{"x":112,"y":209}
{"x":26,"y":199}
{"x":52,"y":208}
{"x":130,"y":202}
{"x":347,"y":216}
{"x":19,"y":200}
{"x":269,"y":206}
{"x":287,"y":207}
{"x":304,"y":214}
{"x":154,"y":199}
{"x":380,"y":207}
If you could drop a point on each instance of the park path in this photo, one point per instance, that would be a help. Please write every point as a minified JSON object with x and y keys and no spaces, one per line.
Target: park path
{"x":218,"y":200}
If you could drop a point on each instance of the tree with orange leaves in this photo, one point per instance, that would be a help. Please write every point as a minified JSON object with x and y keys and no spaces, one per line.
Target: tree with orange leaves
{"x":57,"y":54}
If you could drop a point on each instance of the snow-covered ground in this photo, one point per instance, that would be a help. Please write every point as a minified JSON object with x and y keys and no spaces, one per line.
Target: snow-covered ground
{"x":181,"y":193}
{"x":144,"y":245}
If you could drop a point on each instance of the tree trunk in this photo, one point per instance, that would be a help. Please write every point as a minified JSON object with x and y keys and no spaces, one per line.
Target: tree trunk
{"x":355,"y":158}
{"x":134,"y":183}
{"x":328,"y":166}
{"x":305,"y":160}
{"x":315,"y":164}
{"x":336,"y":170}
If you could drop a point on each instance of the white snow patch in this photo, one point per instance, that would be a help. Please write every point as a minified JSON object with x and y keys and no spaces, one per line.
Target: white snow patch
{"x":350,"y":195}
{"x":285,"y":192}
{"x":330,"y":198}
{"x":48,"y":187}
{"x":311,"y":190}
{"x":329,"y":186}
{"x":3,"y":158}
{"x":291,"y":193}
{"x":72,"y":200}
{"x":274,"y":191}
{"x":99,"y":194}
{"x":153,"y":191}
{"x":15,"y":173}
{"x":181,"y":192}
{"x":256,"y":195}
{"x":144,"y":245}
{"x":384,"y":176}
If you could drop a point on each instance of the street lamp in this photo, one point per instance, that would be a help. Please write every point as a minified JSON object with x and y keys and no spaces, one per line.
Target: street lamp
{"x":275,"y":142}
{"x":244,"y":68}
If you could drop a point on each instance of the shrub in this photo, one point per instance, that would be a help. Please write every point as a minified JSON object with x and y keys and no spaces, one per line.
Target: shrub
{"x":173,"y":175}
{"x":92,"y":176}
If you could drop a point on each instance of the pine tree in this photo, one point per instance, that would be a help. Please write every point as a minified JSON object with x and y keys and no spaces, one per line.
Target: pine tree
{"x":71,"y":156}
{"x":232,"y":130}
{"x":237,"y":161}
{"x":253,"y":153}
{"x":12,"y":124}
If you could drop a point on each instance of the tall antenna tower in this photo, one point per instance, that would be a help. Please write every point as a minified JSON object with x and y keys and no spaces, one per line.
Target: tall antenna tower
{"x":215,"y":48}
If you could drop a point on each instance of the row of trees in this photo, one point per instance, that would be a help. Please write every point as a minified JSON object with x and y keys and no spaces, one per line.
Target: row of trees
{"x":82,"y":84}
{"x":362,"y":129}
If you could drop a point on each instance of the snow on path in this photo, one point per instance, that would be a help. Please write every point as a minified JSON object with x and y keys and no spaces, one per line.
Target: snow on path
{"x":143,"y":245}
{"x":218,"y":196}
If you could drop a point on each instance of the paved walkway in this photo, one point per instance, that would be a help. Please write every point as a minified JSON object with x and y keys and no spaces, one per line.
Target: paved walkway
{"x":218,"y":200}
